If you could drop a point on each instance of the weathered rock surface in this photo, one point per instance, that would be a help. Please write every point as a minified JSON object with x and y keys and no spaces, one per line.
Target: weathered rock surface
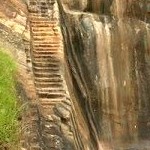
{"x":107,"y":52}
{"x":107,"y":71}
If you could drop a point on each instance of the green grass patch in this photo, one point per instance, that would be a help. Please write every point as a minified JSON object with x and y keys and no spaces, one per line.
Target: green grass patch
{"x":9,"y":110}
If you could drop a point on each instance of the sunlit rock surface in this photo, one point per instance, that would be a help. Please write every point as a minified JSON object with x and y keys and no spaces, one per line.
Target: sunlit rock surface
{"x":13,"y":16}
{"x":108,"y":71}
{"x":107,"y":52}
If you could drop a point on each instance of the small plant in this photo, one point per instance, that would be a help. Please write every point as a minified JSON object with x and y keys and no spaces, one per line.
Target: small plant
{"x":9,"y":109}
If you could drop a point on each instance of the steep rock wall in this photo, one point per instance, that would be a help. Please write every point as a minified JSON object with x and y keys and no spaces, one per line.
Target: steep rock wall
{"x":107,"y":52}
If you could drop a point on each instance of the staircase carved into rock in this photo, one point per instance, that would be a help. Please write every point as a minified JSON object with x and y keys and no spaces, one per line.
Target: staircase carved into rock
{"x":53,"y":106}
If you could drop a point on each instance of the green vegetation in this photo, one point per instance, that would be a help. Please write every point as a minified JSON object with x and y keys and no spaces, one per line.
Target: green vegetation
{"x":8,"y":103}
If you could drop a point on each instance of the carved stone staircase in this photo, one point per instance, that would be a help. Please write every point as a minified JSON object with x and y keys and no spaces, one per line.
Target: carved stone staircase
{"x":53,"y":106}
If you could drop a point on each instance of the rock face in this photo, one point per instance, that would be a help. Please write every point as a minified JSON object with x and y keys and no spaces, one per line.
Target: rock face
{"x":108,"y":60}
{"x":107,"y":70}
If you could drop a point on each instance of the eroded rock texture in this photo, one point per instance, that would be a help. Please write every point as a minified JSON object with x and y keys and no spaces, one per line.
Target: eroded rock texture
{"x":107,"y":52}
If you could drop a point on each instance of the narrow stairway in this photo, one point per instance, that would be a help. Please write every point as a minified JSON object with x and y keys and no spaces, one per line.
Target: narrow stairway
{"x":47,"y":65}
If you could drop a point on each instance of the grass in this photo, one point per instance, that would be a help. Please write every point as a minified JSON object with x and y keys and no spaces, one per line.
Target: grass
{"x":9,"y":109}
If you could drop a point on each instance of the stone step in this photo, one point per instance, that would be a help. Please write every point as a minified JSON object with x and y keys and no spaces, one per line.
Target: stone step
{"x":47,"y":75}
{"x":43,"y":3}
{"x":46,"y":64}
{"x":51,"y":1}
{"x":46,"y":45}
{"x":42,"y":52}
{"x":44,"y":11}
{"x":56,"y":63}
{"x":40,"y":18}
{"x":45,"y":70}
{"x":48,"y":35}
{"x":48,"y":101}
{"x":47,"y":67}
{"x":45,"y":60}
{"x":43,"y":45}
{"x":49,"y":23}
{"x":48,"y":86}
{"x":47,"y":55}
{"x":33,"y":9}
{"x":43,"y":39}
{"x":38,"y":14}
{"x":47,"y":50}
{"x":48,"y":80}
{"x":43,"y":42}
{"x":43,"y":21}
{"x":57,"y":91}
{"x":33,"y":16}
{"x":52,"y":91}
{"x":32,"y":2}
{"x":53,"y":57}
{"x":42,"y":30}
{"x":50,"y":95}
{"x":43,"y":6}
{"x":42,"y":24}
{"x":43,"y":36}
{"x":42,"y":49}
